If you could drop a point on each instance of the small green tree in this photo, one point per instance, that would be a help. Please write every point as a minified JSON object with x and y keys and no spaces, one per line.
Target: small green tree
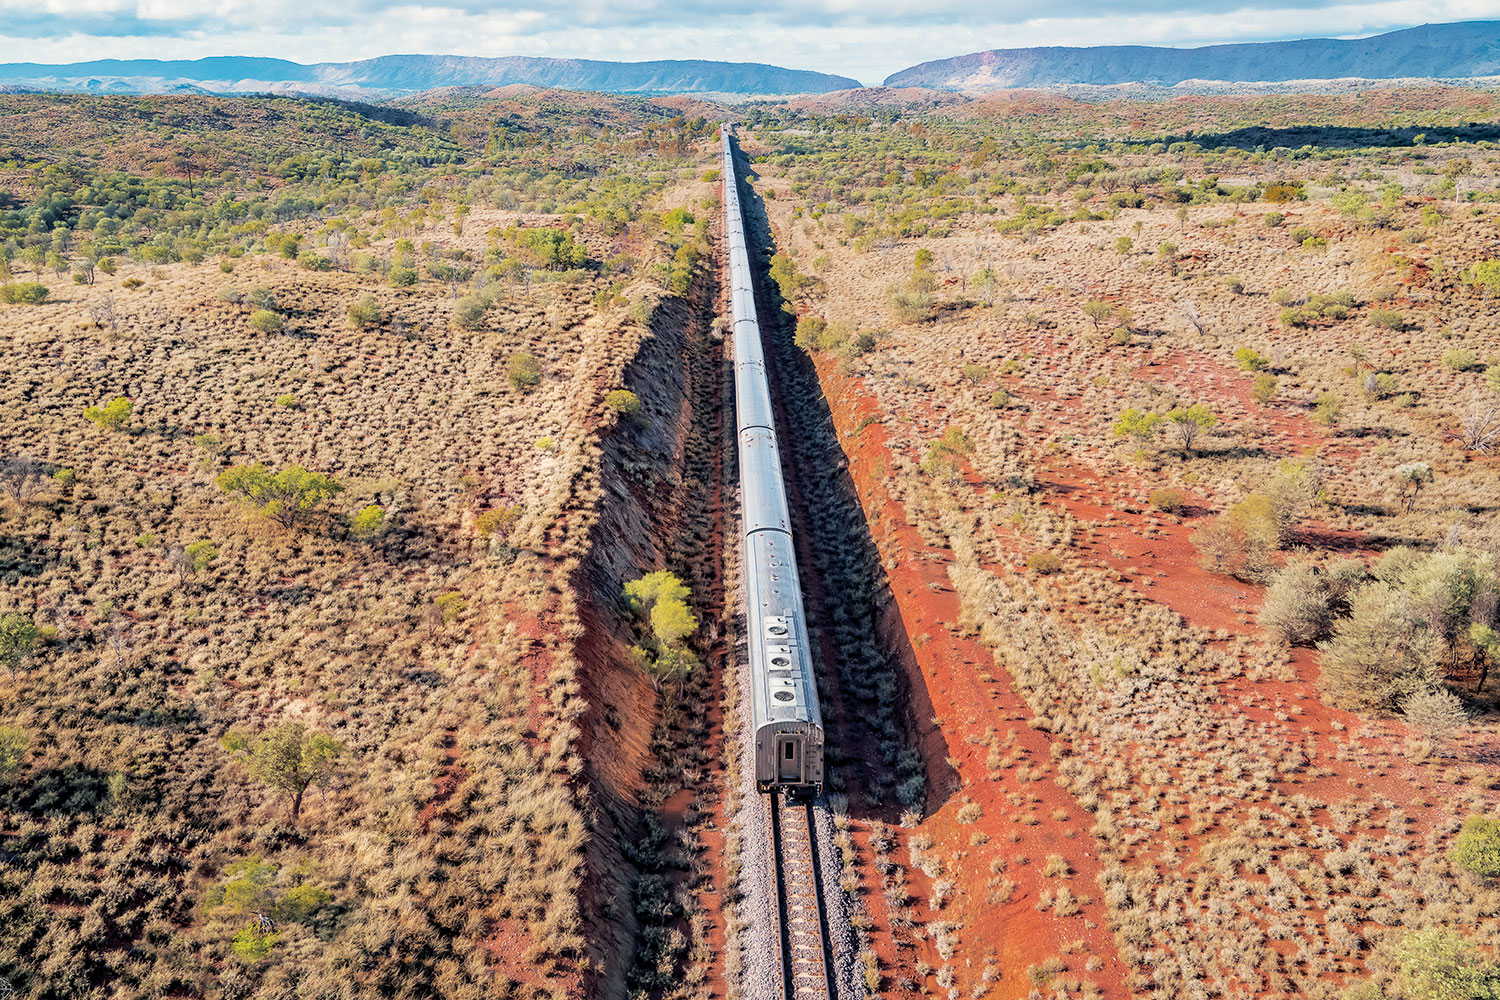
{"x":498,"y":522}
{"x":283,"y":496}
{"x":1328,"y":410}
{"x":1140,"y":426}
{"x":112,"y":415}
{"x":1189,"y":423}
{"x":194,"y":558}
{"x":18,"y":638}
{"x":1411,"y":477}
{"x":289,"y":758}
{"x":449,"y":606}
{"x":1477,"y":847}
{"x":975,"y":374}
{"x":1097,"y":311}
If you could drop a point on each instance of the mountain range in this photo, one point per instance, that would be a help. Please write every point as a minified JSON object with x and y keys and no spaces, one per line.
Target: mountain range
{"x":1459,"y":51}
{"x":1463,"y":50}
{"x":390,"y":76}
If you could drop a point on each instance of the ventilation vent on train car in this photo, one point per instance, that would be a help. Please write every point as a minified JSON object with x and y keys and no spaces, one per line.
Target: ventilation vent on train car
{"x":778,"y":627}
{"x":784,"y":696}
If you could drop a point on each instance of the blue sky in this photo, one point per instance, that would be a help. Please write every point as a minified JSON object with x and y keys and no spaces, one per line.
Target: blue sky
{"x":865,"y":39}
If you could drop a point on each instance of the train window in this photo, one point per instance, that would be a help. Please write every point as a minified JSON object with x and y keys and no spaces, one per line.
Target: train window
{"x":791,"y":750}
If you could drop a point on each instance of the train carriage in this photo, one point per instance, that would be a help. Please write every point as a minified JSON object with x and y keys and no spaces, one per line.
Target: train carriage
{"x":784,"y":693}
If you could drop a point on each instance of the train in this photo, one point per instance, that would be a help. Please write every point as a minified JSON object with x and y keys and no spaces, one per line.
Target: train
{"x":784,"y":708}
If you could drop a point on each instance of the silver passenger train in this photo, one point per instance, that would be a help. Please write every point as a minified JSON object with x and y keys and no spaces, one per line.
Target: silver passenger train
{"x":784,"y":694}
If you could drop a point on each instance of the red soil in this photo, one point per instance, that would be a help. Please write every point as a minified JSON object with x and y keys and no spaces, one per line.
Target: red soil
{"x":951,"y":668}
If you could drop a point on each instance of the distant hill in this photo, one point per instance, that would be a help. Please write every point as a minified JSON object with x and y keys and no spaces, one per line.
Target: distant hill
{"x":1463,"y":50}
{"x":388,"y":76}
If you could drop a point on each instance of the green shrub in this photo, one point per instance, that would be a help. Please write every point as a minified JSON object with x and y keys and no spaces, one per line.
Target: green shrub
{"x":1249,"y":360}
{"x":1460,"y":359}
{"x":624,"y":402}
{"x":1327,"y":411}
{"x":1264,"y":388}
{"x":364,"y":311}
{"x":1044,"y":563}
{"x":112,"y":415}
{"x":1477,"y":847}
{"x":1387,"y":319}
{"x":368,"y":521}
{"x":28,"y":293}
{"x":266,"y":321}
{"x":1169,"y":500}
{"x":13,"y":745}
{"x":523,"y":370}
{"x":402,"y":276}
{"x":468,"y":312}
{"x":287,"y":402}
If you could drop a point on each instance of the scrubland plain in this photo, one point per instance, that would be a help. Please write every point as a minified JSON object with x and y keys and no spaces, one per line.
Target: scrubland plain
{"x":364,"y":596}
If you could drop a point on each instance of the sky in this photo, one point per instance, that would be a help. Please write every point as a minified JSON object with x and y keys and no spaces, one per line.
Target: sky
{"x":863,"y":39}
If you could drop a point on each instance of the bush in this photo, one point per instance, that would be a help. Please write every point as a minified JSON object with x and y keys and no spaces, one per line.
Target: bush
{"x":1477,"y":848}
{"x":27,"y":293}
{"x":1167,"y":500}
{"x":1296,"y":607}
{"x":1460,"y":359}
{"x":1043,"y":563}
{"x":524,"y":371}
{"x":1387,"y":319}
{"x":911,"y":306}
{"x":364,"y":311}
{"x":1440,"y":964}
{"x":1327,"y":411}
{"x":1249,"y":360}
{"x":262,"y":297}
{"x":468,"y":312}
{"x":112,"y":415}
{"x":624,"y":402}
{"x":402,"y":276}
{"x":13,"y":745}
{"x":309,"y":261}
{"x":1263,"y":390}
{"x":265,"y":321}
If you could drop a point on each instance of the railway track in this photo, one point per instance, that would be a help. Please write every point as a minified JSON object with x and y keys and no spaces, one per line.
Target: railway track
{"x":807,"y":970}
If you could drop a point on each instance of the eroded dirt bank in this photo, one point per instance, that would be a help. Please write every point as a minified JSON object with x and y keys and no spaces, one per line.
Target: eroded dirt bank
{"x":658,"y":511}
